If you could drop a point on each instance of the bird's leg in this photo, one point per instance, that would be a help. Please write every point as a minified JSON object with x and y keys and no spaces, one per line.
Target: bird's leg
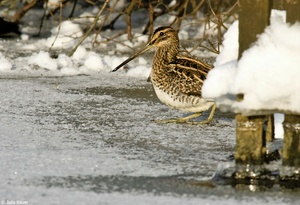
{"x":208,"y":120}
{"x":195,"y":115}
{"x":180,"y":120}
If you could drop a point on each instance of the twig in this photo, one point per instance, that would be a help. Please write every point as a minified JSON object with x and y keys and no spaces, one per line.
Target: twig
{"x":19,"y":14}
{"x":59,"y":26}
{"x":104,"y":20}
{"x":113,"y":37}
{"x":73,"y":9}
{"x":90,"y":29}
{"x":42,"y":20}
{"x":212,"y":49}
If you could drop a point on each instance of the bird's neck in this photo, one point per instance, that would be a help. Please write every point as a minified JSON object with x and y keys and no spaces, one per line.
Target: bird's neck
{"x":165,"y":55}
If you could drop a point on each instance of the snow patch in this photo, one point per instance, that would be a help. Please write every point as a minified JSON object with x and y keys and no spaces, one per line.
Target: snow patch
{"x":64,"y":36}
{"x":43,"y":60}
{"x":5,"y":64}
{"x":93,"y":62}
{"x":267,"y":73}
{"x":139,"y":72}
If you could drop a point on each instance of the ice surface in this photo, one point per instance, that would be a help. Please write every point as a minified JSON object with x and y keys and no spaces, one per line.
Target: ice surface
{"x":78,"y":139}
{"x":74,"y":133}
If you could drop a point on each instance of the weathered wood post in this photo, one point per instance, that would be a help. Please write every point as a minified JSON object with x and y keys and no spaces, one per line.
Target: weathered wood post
{"x":291,"y":144}
{"x":250,"y":133}
{"x":291,"y":124}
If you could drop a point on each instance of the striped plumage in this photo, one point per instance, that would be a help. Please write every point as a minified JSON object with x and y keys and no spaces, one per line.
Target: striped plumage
{"x":177,"y":79}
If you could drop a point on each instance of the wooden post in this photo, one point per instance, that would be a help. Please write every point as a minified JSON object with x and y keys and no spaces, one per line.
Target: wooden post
{"x":254,"y":17}
{"x":250,"y":140}
{"x":291,"y":124}
{"x":252,"y":132}
{"x":250,"y":137}
{"x":291,"y":143}
{"x":292,"y":8}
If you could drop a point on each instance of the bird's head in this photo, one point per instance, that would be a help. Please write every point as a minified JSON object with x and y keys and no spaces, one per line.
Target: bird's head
{"x":162,"y":36}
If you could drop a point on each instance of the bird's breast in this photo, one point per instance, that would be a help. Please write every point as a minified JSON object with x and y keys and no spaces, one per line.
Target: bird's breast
{"x":182,"y":102}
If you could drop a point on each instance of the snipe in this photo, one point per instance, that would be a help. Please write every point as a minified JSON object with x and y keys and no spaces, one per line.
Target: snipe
{"x":177,"y":79}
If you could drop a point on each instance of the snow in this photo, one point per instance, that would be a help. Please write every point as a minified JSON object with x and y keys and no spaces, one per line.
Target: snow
{"x":278,"y":120}
{"x":93,"y":61}
{"x":43,"y":60}
{"x":267,"y":73}
{"x":52,"y":4}
{"x":64,"y":36}
{"x":4,"y":63}
{"x":64,"y":61}
{"x":140,"y":71}
{"x":80,"y":53}
{"x":83,"y":61}
{"x":124,"y":46}
{"x":229,"y":46}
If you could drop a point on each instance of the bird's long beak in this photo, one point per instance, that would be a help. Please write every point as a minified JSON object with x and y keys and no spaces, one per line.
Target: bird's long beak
{"x":146,"y":48}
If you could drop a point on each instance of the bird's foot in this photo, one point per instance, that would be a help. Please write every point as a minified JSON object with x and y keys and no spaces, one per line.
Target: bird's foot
{"x":188,"y":118}
{"x":179,"y":120}
{"x":208,"y":120}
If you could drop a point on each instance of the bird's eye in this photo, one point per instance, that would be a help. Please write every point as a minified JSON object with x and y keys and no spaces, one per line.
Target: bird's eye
{"x":162,"y":33}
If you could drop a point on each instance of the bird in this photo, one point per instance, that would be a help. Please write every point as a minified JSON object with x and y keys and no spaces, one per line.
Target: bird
{"x":177,"y":79}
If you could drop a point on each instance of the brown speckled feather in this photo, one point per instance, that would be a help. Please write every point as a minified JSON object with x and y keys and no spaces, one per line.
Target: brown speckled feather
{"x":190,"y":73}
{"x":177,"y":79}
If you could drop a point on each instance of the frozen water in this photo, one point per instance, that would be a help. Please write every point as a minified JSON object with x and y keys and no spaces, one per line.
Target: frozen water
{"x":73,"y":139}
{"x":74,"y":133}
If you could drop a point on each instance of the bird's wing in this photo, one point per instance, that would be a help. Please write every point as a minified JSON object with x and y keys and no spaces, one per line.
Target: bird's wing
{"x":190,"y":73}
